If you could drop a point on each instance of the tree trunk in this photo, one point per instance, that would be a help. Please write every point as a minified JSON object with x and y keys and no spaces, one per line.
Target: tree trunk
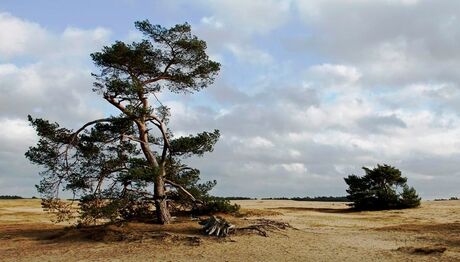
{"x":163,"y":215}
{"x":159,"y":194}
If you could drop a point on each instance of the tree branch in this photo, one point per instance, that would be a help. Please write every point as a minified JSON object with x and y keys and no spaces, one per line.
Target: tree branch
{"x":118,"y":105}
{"x":161,"y":126}
{"x":153,"y":80}
{"x":183,"y":190}
{"x":133,"y":139}
{"x":74,"y":134}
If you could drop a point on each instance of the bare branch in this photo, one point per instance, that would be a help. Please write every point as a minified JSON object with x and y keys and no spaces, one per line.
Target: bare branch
{"x":133,"y":139}
{"x":183,"y":190}
{"x":158,"y":100}
{"x":156,"y":79}
{"x":117,"y":104}
{"x":162,"y":128}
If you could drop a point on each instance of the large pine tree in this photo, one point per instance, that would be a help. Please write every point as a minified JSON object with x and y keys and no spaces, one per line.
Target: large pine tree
{"x":116,"y":164}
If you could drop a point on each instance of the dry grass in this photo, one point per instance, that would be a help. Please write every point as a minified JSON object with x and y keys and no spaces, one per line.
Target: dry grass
{"x":326,"y":232}
{"x":252,"y":212}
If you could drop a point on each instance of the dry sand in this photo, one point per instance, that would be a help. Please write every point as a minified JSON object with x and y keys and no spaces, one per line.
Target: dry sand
{"x":323,"y":232}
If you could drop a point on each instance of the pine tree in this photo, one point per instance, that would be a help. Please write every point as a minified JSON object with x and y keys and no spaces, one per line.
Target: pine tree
{"x":377,"y":189}
{"x":121,"y":164}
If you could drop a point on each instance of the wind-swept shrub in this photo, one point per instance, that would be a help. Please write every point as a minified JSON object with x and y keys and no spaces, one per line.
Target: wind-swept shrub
{"x":381,"y":188}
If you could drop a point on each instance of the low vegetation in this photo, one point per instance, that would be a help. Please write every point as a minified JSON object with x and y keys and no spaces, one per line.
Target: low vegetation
{"x":381,"y":188}
{"x":10,"y":197}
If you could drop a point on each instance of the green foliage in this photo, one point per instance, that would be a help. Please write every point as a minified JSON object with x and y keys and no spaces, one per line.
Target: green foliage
{"x":213,"y":205}
{"x":190,"y":179}
{"x":113,"y":164}
{"x":194,"y":145}
{"x":409,"y":197}
{"x":174,"y":55}
{"x":378,"y":189}
{"x":94,"y":209}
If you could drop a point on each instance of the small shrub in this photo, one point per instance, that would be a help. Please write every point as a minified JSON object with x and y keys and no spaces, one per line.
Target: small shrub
{"x":212,"y":205}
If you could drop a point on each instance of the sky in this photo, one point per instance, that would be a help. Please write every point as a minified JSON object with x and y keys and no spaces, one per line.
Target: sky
{"x":309,"y":91}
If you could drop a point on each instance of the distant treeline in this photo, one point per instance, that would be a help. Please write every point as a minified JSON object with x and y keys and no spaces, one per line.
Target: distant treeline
{"x":445,"y":199}
{"x":236,"y":198}
{"x":9,"y":197}
{"x":319,"y":198}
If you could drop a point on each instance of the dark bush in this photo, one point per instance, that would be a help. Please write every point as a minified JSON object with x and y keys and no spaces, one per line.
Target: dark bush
{"x":9,"y":197}
{"x":378,"y":190}
{"x":212,"y":205}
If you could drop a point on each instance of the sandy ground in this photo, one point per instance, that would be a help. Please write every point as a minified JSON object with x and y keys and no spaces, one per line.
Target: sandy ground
{"x":322,"y":232}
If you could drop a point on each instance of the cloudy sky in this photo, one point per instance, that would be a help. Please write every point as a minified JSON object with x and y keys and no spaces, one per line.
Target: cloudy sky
{"x":309,"y":92}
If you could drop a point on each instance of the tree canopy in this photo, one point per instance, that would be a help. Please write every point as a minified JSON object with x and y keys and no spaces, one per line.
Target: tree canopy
{"x":381,"y":188}
{"x":118,"y":166}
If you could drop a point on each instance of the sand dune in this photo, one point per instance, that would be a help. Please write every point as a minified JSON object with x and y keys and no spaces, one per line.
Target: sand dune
{"x":322,"y":232}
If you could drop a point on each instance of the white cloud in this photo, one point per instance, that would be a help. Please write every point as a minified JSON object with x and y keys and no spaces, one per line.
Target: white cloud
{"x":52,"y":81}
{"x":15,"y":133}
{"x":23,"y":38}
{"x":260,"y":142}
{"x":297,"y":168}
{"x":212,"y":22}
{"x":334,"y":75}
{"x":347,"y":73}
{"x":392,"y":42}
{"x":378,"y":83}
{"x":256,"y":16}
{"x":249,"y":54}
{"x":60,"y":93}
{"x":18,"y":36}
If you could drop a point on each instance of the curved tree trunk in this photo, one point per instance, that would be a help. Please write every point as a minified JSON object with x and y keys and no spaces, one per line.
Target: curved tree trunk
{"x":161,"y":206}
{"x":159,"y":194}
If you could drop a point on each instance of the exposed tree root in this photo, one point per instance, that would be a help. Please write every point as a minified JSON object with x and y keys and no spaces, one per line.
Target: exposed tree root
{"x":220,"y":227}
{"x":217,"y":226}
{"x":263,"y":226}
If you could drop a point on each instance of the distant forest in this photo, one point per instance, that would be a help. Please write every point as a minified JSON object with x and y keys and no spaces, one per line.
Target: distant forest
{"x":10,"y":197}
{"x":318,"y":198}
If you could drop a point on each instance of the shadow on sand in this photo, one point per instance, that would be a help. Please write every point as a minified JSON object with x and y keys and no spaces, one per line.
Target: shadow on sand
{"x":104,"y":233}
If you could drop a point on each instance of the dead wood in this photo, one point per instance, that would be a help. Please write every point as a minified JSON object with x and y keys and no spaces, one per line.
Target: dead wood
{"x":218,"y":226}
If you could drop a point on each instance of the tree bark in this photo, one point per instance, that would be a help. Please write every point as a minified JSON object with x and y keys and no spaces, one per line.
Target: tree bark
{"x":161,"y":206}
{"x":159,"y":194}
